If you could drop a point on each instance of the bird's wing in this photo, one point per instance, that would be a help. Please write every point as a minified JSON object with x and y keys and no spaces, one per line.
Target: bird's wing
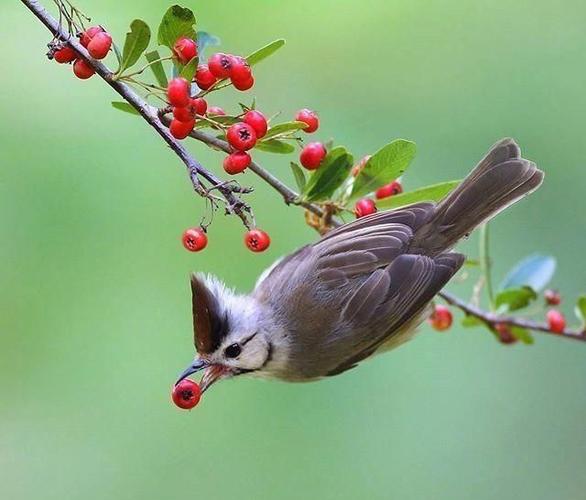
{"x":344,"y":295}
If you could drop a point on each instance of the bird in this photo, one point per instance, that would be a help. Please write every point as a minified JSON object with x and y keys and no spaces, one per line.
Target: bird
{"x":360,"y":290}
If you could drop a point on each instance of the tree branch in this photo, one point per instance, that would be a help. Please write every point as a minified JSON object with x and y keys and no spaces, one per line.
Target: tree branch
{"x":194,"y":168}
{"x":492,"y":319}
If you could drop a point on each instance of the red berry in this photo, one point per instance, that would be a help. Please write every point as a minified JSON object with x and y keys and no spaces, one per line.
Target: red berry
{"x":204,"y":77}
{"x":389,"y":190}
{"x":552,"y":297}
{"x":99,"y":45}
{"x":194,"y":239}
{"x":257,"y":121}
{"x":82,"y":69}
{"x":504,"y":333}
{"x":441,"y":318}
{"x":220,"y":65}
{"x":243,"y":85}
{"x":87,"y":35}
{"x":65,"y":55}
{"x":241,"y":136}
{"x":179,"y":129}
{"x":216,"y":111}
{"x":240,"y":71}
{"x":185,"y":49}
{"x":236,"y":162}
{"x":312,"y":155}
{"x":184,"y":114}
{"x":308,"y":117}
{"x":556,"y":321}
{"x":186,"y":394}
{"x":257,"y":240}
{"x":356,"y":169}
{"x":364,"y":207}
{"x":199,"y":105}
{"x":178,"y":92}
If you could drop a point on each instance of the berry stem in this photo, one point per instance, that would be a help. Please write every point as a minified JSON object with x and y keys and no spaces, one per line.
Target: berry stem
{"x":143,"y":69}
{"x":485,"y":263}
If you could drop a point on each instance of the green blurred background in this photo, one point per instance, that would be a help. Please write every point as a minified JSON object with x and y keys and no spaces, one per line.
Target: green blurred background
{"x":95,"y":320}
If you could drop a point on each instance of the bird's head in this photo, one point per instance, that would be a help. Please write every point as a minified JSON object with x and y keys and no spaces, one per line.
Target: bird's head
{"x":230,"y":334}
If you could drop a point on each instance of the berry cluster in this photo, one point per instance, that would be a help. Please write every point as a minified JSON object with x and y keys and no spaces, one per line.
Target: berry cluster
{"x":98,"y":43}
{"x":195,"y":239}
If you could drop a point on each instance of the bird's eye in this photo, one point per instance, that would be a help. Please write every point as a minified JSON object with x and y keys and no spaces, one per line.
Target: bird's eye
{"x":233,"y":351}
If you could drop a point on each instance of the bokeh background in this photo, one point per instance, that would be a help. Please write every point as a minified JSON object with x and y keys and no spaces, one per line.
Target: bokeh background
{"x":95,"y":316}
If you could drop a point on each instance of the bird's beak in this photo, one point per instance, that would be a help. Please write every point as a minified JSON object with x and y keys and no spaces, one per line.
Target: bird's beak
{"x":212,"y":372}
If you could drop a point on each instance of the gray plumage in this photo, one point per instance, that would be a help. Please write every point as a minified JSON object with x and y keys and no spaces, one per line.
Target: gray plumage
{"x":364,"y":287}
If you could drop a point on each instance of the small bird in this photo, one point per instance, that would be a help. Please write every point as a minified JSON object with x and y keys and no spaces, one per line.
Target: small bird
{"x":361,"y":290}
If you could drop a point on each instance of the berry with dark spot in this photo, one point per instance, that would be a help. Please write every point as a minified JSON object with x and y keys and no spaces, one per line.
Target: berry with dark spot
{"x":220,"y":65}
{"x":186,"y":394}
{"x":552,"y":297}
{"x":257,"y":240}
{"x":194,"y":239}
{"x":241,"y":136}
{"x":504,"y":333}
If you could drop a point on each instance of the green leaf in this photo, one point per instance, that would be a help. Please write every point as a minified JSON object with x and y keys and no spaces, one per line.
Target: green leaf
{"x":384,"y":166}
{"x":188,"y":71}
{"x":176,"y":23}
{"x":283,"y":128}
{"x":435,"y":192}
{"x":124,"y":106}
{"x":581,"y":310}
{"x":137,"y":40}
{"x":522,"y":334}
{"x":329,"y":176}
{"x":205,"y":40}
{"x":470,"y":321}
{"x":534,"y":271}
{"x":299,"y":176}
{"x":513,"y":299}
{"x":275,"y":146}
{"x":157,"y":68}
{"x":265,"y":52}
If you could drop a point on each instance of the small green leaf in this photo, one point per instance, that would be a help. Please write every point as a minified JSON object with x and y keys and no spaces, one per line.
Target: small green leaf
{"x":581,"y":310}
{"x":522,"y":334}
{"x":329,"y":176}
{"x":176,"y":23}
{"x":513,"y":299}
{"x":384,"y":166}
{"x":299,"y":176}
{"x":188,"y":71}
{"x":470,"y":321}
{"x":434,"y":192}
{"x":205,"y":40}
{"x":124,"y":106}
{"x":472,"y":263}
{"x":534,"y":271}
{"x":157,"y":68}
{"x":265,"y":52}
{"x":137,"y":40}
{"x":275,"y":146}
{"x":283,"y":128}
